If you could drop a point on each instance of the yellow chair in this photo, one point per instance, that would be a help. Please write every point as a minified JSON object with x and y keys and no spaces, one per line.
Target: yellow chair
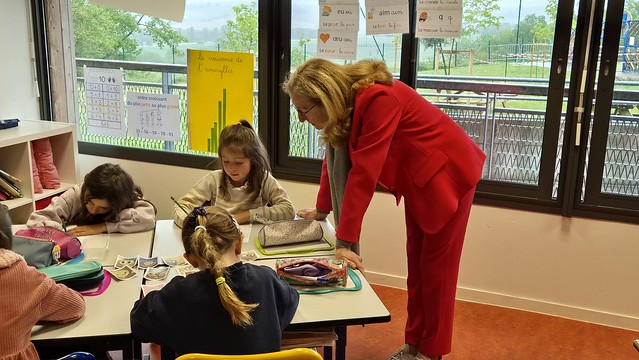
{"x":292,"y":354}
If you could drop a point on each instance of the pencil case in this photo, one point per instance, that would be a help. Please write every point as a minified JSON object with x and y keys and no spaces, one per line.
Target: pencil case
{"x":38,"y":253}
{"x":78,"y":276}
{"x":290,"y":232}
{"x":312,"y":272}
{"x":70,"y":246}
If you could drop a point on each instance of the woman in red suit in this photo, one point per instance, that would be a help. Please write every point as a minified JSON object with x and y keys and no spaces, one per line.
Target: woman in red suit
{"x":380,"y":131}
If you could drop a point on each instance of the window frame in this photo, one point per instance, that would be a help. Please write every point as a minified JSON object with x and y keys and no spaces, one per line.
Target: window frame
{"x":274,"y":63}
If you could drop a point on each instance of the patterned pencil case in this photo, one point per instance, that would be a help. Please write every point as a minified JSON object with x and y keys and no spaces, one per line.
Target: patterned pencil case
{"x":312,"y":272}
{"x":290,"y":232}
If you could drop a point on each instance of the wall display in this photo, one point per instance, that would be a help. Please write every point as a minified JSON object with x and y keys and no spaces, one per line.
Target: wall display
{"x":103,"y":96}
{"x":153,"y":116}
{"x":439,"y":19}
{"x":386,"y":17}
{"x":219,"y":93}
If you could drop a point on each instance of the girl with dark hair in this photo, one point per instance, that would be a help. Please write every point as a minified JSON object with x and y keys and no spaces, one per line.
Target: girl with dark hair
{"x":244,"y":186}
{"x":231,"y":307}
{"x":107,"y":201}
{"x":28,"y":297}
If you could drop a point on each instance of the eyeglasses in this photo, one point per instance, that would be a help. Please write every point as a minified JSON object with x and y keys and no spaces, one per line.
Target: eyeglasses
{"x":301,"y":113}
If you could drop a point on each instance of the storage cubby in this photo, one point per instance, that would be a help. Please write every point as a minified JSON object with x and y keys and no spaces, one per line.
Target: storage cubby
{"x":15,"y":158}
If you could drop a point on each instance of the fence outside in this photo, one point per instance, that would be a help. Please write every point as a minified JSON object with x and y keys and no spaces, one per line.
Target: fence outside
{"x":512,"y":138}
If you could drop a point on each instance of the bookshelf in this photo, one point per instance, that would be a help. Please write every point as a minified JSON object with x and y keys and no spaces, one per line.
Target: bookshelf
{"x":15,"y":158}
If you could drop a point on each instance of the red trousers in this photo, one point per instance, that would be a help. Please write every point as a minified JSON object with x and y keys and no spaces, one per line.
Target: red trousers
{"x":433,"y":268}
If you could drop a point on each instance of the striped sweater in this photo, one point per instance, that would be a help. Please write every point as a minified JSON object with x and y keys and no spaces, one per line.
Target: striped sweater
{"x":27,"y":297}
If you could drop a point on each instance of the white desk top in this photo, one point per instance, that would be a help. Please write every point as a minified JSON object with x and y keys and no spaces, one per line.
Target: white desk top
{"x":325,"y":310}
{"x":108,"y":313}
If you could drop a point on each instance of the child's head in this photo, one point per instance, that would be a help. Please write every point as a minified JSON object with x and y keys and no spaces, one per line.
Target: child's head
{"x":243,"y":156}
{"x":207,"y":234}
{"x":106,"y":191}
{"x":6,"y":235}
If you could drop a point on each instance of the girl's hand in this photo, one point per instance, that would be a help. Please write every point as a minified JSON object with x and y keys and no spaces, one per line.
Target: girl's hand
{"x":353,"y":260}
{"x":311,"y":214}
{"x":88,"y":230}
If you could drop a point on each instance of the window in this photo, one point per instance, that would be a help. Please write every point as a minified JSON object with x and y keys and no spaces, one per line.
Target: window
{"x":513,"y":81}
{"x":152,"y":54}
{"x":548,"y":90}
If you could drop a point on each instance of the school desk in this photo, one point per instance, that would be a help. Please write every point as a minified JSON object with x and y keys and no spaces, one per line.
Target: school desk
{"x":333,"y":310}
{"x":105,"y":324}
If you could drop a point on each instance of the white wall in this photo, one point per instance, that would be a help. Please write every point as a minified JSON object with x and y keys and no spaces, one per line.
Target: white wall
{"x":17,"y":94}
{"x":576,"y":268}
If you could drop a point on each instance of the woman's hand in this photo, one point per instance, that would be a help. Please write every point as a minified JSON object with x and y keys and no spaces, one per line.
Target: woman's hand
{"x":311,"y":214}
{"x":353,"y":260}
{"x":88,"y":230}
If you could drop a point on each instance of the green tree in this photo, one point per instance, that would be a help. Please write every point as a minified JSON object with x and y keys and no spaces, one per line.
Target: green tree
{"x":298,"y":53}
{"x":530,"y":27}
{"x":105,"y":33}
{"x":241,"y":34}
{"x":480,"y":15}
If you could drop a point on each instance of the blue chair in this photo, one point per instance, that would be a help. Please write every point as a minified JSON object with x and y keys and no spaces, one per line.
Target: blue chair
{"x":78,"y":355}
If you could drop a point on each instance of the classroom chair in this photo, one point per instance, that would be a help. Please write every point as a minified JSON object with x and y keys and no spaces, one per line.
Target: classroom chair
{"x":292,"y":354}
{"x":78,"y":355}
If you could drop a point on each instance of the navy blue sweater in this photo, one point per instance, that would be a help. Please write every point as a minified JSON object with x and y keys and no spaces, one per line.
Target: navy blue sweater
{"x":187,"y":315}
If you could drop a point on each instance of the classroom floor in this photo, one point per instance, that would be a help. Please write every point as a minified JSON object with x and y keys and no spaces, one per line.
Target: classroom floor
{"x":489,"y":332}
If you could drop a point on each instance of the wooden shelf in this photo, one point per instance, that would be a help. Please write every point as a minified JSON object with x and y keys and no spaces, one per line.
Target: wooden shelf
{"x":15,"y":158}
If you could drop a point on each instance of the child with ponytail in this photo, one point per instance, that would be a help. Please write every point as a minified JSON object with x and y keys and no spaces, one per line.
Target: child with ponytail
{"x":228,"y":307}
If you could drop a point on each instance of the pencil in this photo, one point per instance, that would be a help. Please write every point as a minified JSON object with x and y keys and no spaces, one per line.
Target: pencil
{"x":178,"y":204}
{"x":64,"y":225}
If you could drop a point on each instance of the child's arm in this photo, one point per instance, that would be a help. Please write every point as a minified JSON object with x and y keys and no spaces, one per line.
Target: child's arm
{"x":204,"y":190}
{"x":61,"y":207}
{"x":281,"y":207}
{"x":61,"y":304}
{"x":141,"y":217}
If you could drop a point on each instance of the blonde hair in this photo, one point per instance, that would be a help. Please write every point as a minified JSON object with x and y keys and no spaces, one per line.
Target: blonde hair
{"x":208,"y":233}
{"x":334,"y":86}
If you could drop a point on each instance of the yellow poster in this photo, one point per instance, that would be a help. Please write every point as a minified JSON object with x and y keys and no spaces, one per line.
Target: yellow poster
{"x":219,"y":93}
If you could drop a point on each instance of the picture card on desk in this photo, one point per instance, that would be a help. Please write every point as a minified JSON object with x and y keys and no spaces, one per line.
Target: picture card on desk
{"x":124,"y":273}
{"x":174,"y":260}
{"x":147,"y":288}
{"x":145,"y":263}
{"x":156,"y":273}
{"x":185,"y":270}
{"x":123,"y":261}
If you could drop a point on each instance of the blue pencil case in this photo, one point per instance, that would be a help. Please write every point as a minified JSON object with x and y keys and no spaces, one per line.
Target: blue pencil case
{"x":8,"y":123}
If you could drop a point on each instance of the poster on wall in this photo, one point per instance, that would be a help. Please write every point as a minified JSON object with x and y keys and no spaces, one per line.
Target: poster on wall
{"x":386,"y":17}
{"x":338,"y":26}
{"x":103,"y":97}
{"x":219,"y":93}
{"x":439,"y":19}
{"x":153,"y":116}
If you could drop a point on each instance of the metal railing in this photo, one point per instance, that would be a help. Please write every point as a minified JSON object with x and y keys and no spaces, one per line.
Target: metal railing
{"x":504,"y":116}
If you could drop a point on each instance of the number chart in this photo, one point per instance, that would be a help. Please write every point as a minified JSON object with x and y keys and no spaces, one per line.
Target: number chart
{"x":103,"y":94}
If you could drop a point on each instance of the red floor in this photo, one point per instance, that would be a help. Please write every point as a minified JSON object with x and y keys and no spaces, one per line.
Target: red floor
{"x":490,"y":332}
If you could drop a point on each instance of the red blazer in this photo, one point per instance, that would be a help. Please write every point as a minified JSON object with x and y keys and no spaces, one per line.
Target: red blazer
{"x":410,"y":147}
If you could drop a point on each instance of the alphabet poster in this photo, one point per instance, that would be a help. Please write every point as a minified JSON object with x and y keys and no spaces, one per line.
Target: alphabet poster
{"x":338,"y":26}
{"x":219,"y":92}
{"x":439,"y":19}
{"x":153,"y":116}
{"x":386,"y":17}
{"x":103,"y":97}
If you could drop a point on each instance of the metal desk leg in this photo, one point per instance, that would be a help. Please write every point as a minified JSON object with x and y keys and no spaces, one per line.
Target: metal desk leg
{"x":340,"y":351}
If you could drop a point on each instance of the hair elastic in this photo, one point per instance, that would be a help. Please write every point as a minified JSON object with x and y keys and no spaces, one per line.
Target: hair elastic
{"x":219,"y":281}
{"x":200,"y":227}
